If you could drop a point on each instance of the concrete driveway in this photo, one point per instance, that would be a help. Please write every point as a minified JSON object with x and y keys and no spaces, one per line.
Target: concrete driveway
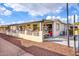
{"x":64,"y":41}
{"x":9,"y":49}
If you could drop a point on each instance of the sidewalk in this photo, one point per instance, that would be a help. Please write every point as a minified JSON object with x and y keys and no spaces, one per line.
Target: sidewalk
{"x":64,"y":41}
{"x":9,"y":49}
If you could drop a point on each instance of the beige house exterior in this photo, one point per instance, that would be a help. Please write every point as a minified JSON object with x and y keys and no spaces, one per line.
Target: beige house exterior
{"x":36,"y":31}
{"x":76,"y":29}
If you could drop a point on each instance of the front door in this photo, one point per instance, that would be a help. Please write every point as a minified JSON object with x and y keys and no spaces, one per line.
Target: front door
{"x":50,"y":29}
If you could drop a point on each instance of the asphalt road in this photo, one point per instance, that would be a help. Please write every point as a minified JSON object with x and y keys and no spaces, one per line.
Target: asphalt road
{"x":9,"y":49}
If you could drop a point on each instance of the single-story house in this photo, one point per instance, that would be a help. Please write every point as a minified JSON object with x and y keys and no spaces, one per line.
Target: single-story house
{"x":76,"y":28}
{"x":36,"y":30}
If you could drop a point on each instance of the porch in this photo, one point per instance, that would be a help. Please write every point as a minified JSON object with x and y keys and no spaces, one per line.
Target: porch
{"x":35,"y":31}
{"x":31,"y":31}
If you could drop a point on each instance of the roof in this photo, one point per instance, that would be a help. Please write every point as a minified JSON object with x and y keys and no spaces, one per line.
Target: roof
{"x":3,"y":25}
{"x":37,"y":22}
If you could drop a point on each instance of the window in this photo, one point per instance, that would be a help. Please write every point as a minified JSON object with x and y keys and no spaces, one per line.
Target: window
{"x":28,"y":24}
{"x":71,"y":27}
{"x":76,"y":27}
{"x":35,"y":27}
{"x":20,"y":27}
{"x":57,"y":26}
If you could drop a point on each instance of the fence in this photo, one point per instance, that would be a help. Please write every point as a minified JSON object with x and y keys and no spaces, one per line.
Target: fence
{"x":29,"y":35}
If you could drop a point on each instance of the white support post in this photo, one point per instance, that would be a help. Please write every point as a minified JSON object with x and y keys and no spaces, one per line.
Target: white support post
{"x":52,"y":29}
{"x":41,"y":31}
{"x":25,"y":32}
{"x":40,"y":26}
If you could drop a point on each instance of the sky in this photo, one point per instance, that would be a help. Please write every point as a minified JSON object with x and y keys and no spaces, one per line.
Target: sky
{"x":12,"y":13}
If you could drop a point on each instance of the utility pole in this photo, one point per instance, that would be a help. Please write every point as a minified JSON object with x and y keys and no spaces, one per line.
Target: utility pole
{"x":74,"y":36}
{"x":67,"y":25}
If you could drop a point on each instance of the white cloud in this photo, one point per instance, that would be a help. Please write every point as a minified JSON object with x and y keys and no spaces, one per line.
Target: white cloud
{"x":71,"y":18}
{"x":37,"y":9}
{"x":60,"y":9}
{"x":1,"y":21}
{"x":53,"y":17}
{"x":4,"y":11}
{"x":76,"y":18}
{"x":15,"y":6}
{"x":57,"y":17}
{"x":13,"y":22}
{"x":74,"y":12}
{"x":64,"y":19}
{"x":75,"y":6}
{"x":61,"y":19}
{"x":48,"y":17}
{"x":21,"y":21}
{"x":2,"y":8}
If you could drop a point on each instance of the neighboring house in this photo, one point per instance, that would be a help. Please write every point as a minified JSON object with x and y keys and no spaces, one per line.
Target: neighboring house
{"x":3,"y":28}
{"x":76,"y":28}
{"x":76,"y":25}
{"x":37,"y":30}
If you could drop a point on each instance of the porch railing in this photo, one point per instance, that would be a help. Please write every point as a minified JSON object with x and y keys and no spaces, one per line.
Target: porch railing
{"x":33,"y":33}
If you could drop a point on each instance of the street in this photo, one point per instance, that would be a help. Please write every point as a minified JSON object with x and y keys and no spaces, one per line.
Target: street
{"x":9,"y":49}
